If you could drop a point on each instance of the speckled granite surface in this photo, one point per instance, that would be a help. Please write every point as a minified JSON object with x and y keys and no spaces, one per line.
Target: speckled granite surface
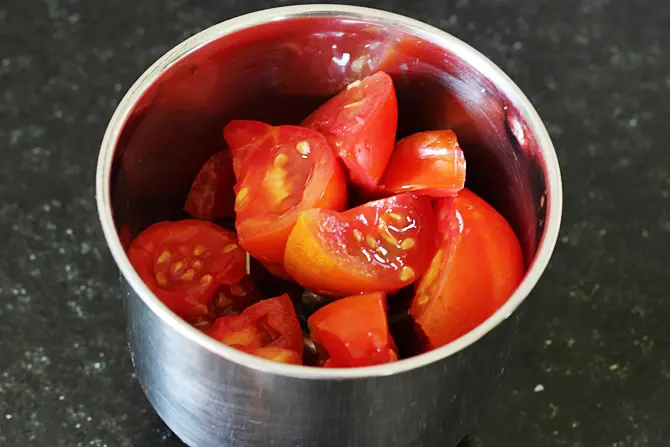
{"x":592,"y":366}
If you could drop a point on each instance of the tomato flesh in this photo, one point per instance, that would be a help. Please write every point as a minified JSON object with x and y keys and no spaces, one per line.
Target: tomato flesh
{"x":282,"y":172}
{"x":354,"y":331}
{"x":380,"y":246}
{"x":232,"y":299}
{"x":428,"y":162}
{"x":211,"y":195}
{"x":360,"y":124}
{"x":270,"y":323}
{"x":477,"y":268}
{"x":184,"y":263}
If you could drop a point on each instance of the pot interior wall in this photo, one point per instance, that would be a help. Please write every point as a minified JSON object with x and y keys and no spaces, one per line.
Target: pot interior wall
{"x":279,"y":72}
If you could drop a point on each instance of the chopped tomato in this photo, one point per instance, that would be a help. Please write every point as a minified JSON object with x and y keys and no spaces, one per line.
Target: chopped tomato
{"x":354,"y":331}
{"x":360,"y":124}
{"x":430,"y":162}
{"x":270,"y":323}
{"x":380,"y":246}
{"x":232,"y":299}
{"x":288,"y":169}
{"x":184,"y":263}
{"x":211,"y":195}
{"x":478,"y":266}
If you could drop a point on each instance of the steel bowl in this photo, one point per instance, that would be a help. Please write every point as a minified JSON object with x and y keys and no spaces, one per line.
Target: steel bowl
{"x":277,"y":65}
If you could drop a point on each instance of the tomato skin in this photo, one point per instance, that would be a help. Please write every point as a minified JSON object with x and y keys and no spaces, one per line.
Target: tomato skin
{"x":270,"y":196}
{"x":354,"y":331}
{"x":270,"y":323}
{"x":428,"y":162}
{"x":243,"y":136}
{"x":325,"y":254}
{"x":211,"y":195}
{"x":185,"y":262}
{"x":360,"y":124}
{"x":477,"y":268}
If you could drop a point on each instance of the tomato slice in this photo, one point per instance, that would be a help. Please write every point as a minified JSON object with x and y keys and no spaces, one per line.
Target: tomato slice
{"x":185,"y":262}
{"x":360,"y":124}
{"x":211,"y":195}
{"x":270,"y":323}
{"x":380,"y":246}
{"x":282,"y":172}
{"x":477,"y":268}
{"x":430,"y":162}
{"x":354,"y":331}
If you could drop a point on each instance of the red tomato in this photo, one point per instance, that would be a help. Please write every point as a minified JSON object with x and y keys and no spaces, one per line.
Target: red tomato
{"x":430,"y":162}
{"x":270,"y":323}
{"x":360,"y":124}
{"x":477,"y":268}
{"x":185,"y":262}
{"x":354,"y":331}
{"x":283,"y":172}
{"x":232,"y":299}
{"x":381,"y":246}
{"x":211,"y":195}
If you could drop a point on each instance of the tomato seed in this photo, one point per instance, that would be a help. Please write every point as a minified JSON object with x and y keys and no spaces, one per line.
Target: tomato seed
{"x":198,"y":250}
{"x":163,"y":257}
{"x":281,"y":160}
{"x":230,"y":247}
{"x":303,"y":147}
{"x":205,"y":280}
{"x":197,"y":265}
{"x":161,"y":279}
{"x":422,"y":300}
{"x":353,"y":104}
{"x":407,"y":243}
{"x":371,"y":242}
{"x":397,"y":218}
{"x":188,"y":275}
{"x":406,"y":274}
{"x":357,"y":235}
{"x":240,"y":198}
{"x":175,"y":267}
{"x":238,"y":290}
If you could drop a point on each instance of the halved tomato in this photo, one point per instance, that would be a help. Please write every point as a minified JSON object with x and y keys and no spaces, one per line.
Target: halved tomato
{"x":288,"y":169}
{"x":360,"y":124}
{"x":185,"y":262}
{"x":380,"y":246}
{"x":430,"y":162}
{"x":477,"y":268}
{"x":354,"y":331}
{"x":211,"y":195}
{"x":270,"y":323}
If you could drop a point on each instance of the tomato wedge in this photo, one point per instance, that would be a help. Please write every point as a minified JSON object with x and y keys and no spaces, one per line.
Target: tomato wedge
{"x":211,"y":195}
{"x":380,"y":246}
{"x":360,"y":124}
{"x":477,"y":268}
{"x":270,"y":323}
{"x":279,"y":174}
{"x":354,"y":331}
{"x":430,"y":162}
{"x":185,"y":262}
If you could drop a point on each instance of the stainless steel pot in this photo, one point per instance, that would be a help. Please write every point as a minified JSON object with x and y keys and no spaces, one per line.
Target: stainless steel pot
{"x":277,"y":65}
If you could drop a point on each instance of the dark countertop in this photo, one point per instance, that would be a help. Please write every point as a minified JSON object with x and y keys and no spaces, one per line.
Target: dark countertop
{"x":592,"y":364}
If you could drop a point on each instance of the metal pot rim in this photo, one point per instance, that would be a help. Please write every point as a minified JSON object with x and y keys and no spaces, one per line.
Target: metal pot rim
{"x":415,"y":27}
